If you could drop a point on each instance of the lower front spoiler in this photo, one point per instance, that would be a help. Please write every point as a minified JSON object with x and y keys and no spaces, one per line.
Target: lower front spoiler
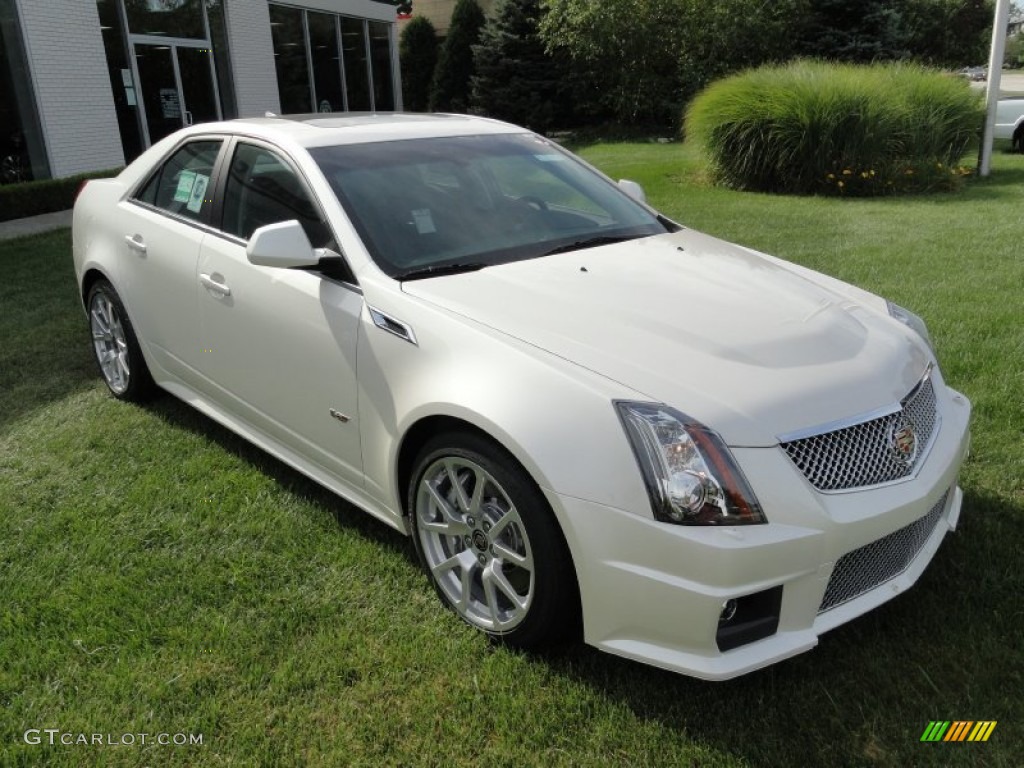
{"x":652,"y":615}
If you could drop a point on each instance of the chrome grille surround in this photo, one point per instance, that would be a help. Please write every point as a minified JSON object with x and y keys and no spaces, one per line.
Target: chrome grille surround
{"x":886,"y":558}
{"x":860,"y":453}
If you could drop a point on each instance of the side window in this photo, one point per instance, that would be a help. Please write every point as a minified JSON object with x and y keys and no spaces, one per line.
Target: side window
{"x":262,"y":189}
{"x":182,"y":185}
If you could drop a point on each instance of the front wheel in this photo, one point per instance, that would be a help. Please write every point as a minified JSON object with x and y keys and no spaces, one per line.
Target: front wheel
{"x":490,"y":544}
{"x":115,"y":346}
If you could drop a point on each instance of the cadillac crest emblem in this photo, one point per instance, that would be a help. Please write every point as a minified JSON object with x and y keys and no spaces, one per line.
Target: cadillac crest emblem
{"x":903,"y":440}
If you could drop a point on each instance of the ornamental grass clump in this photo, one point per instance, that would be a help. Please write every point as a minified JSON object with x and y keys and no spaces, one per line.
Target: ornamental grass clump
{"x":812,"y":127}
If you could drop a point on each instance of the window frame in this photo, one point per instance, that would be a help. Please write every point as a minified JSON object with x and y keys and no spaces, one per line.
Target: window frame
{"x":216,"y":224}
{"x":204,"y":221}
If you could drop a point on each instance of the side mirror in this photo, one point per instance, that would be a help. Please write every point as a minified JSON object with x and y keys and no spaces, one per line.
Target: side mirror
{"x":633,"y":189}
{"x":282,"y":245}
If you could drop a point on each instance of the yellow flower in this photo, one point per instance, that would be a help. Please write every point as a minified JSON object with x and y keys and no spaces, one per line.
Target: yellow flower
{"x":841,"y":185}
{"x":872,"y":171}
{"x":831,"y":176}
{"x":847,"y":172}
{"x":864,"y":174}
{"x":909,"y":172}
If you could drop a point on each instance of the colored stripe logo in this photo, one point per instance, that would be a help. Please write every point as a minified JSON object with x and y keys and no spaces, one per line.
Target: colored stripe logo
{"x":959,"y":730}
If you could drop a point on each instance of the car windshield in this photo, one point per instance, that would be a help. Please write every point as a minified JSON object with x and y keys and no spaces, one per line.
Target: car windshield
{"x":428,"y":207}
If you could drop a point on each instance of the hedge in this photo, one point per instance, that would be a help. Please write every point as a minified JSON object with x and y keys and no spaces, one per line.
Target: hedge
{"x":31,"y":198}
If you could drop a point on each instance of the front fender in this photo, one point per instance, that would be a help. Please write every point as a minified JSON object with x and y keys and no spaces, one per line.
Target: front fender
{"x":556,"y":418}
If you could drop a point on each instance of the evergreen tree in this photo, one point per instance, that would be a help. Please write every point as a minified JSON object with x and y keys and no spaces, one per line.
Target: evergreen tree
{"x":450,"y":90}
{"x":516,"y":80}
{"x":856,"y":30}
{"x":417,"y":52}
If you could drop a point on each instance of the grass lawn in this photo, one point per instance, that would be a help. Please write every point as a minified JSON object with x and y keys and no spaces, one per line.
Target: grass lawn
{"x":158,"y":575}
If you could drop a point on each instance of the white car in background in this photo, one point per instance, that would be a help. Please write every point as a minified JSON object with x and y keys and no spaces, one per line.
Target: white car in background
{"x":585,"y":415}
{"x":1010,"y":122}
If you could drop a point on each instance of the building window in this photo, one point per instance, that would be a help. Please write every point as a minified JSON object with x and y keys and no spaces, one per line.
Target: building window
{"x":357,"y":71}
{"x":380,"y":55}
{"x":166,"y":18}
{"x":314,"y":74}
{"x":287,"y":26}
{"x":324,"y":53}
{"x":22,"y":153}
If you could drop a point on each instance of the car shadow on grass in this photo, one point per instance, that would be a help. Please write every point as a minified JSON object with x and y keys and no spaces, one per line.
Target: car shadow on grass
{"x":177,"y":414}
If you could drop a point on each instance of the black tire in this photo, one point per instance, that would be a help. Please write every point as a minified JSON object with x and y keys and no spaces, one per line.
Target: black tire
{"x":115,"y":346}
{"x":507,"y":541}
{"x":1018,"y":140}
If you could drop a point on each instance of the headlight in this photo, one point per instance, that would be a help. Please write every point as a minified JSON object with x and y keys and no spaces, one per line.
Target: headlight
{"x":912,"y":321}
{"x":690,"y":475}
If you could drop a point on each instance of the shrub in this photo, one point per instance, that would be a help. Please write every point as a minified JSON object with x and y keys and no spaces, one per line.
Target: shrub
{"x":815,"y":128}
{"x":31,"y":198}
{"x":417,"y":52}
{"x":450,"y":89}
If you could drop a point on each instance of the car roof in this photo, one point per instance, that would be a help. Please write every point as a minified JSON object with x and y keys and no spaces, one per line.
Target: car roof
{"x":315,"y":130}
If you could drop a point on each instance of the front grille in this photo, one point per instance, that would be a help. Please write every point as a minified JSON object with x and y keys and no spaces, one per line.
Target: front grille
{"x":873,"y":564}
{"x":863,"y":454}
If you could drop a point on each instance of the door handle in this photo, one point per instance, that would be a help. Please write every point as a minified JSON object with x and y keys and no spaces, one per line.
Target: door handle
{"x":188,"y":118}
{"x":136,"y":243}
{"x":214,"y":286}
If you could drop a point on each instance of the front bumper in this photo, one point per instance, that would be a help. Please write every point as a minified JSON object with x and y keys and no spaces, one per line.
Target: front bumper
{"x":654,"y":592}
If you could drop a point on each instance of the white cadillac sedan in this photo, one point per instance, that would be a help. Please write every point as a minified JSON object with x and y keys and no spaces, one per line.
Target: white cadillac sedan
{"x":585,"y":415}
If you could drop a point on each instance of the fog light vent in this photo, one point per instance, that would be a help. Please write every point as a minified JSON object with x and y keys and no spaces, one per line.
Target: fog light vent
{"x":750,"y":618}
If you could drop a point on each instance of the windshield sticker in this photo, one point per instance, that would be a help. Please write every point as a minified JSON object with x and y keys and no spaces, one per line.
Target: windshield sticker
{"x":424,"y":221}
{"x":186,"y":181}
{"x":195,"y":202}
{"x":551,"y":158}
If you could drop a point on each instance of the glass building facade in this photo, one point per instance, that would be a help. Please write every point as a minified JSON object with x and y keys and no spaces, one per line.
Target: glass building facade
{"x":173,"y":63}
{"x":328,"y":62}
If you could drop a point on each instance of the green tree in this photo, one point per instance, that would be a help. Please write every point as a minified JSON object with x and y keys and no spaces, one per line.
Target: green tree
{"x":950,"y":33}
{"x":624,"y":55}
{"x":642,"y":59}
{"x":516,"y":79}
{"x":856,"y":30}
{"x":450,"y":90}
{"x":417,"y":52}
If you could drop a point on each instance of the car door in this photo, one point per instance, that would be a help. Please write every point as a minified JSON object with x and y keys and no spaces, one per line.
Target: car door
{"x":164,"y":223}
{"x":280,"y":344}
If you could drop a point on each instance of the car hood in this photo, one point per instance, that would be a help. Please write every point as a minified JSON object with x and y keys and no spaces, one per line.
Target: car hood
{"x":733,"y":338}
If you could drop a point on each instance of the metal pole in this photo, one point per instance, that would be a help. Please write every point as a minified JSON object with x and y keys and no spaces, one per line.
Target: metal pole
{"x":995,"y":71}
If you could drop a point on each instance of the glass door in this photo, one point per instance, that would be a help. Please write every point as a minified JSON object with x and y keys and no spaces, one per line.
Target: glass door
{"x":195,"y":66}
{"x":177,"y":87}
{"x":161,"y":98}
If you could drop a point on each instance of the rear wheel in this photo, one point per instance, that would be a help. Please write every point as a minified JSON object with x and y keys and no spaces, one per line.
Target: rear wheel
{"x":1018,"y":139}
{"x":115,"y":345}
{"x":490,"y":544}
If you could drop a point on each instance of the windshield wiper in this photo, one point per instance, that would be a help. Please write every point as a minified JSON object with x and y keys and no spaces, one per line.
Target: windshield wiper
{"x":439,"y":269}
{"x":590,"y":242}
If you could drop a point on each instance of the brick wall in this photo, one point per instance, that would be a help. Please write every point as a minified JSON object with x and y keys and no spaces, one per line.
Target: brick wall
{"x":64,"y":48}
